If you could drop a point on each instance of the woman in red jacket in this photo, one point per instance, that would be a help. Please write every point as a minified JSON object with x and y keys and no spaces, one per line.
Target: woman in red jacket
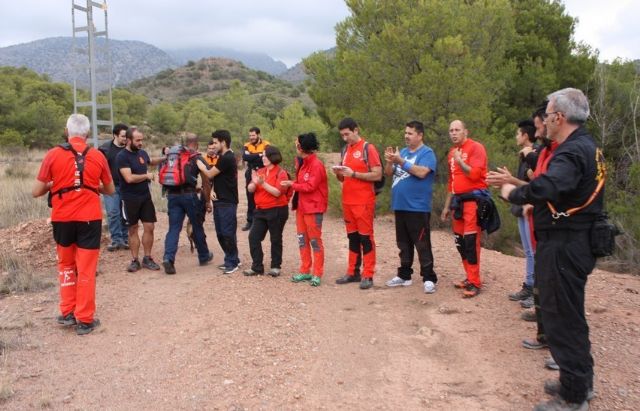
{"x":313,"y":196}
{"x":271,"y":213}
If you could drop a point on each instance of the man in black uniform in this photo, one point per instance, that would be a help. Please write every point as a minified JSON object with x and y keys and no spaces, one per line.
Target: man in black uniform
{"x":563,"y":257}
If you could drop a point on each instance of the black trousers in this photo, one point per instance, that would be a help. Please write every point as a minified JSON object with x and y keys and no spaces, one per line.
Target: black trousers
{"x":563,"y":262}
{"x":413,"y":231}
{"x":273,"y":221}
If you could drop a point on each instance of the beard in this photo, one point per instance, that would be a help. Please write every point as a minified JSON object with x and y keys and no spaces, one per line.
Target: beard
{"x":134,"y":148}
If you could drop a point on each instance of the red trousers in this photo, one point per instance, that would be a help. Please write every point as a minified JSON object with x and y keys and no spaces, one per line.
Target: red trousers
{"x":309,"y":231}
{"x":358,"y":221}
{"x":77,"y":277}
{"x":468,"y":236}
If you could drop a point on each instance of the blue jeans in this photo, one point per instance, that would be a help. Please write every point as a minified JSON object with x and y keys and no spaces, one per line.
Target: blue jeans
{"x":178,"y":206}
{"x":226,"y":223}
{"x":117,"y":230}
{"x":527,"y":246}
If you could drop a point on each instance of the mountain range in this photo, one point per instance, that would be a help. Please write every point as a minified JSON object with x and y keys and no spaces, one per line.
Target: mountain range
{"x":131,"y":60}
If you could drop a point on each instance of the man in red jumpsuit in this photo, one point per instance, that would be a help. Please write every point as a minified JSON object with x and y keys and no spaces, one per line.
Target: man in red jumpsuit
{"x":467,"y":161}
{"x":74,"y":181}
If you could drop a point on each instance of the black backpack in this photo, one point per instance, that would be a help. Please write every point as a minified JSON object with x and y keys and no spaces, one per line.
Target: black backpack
{"x":378,"y":186}
{"x":78,"y":181}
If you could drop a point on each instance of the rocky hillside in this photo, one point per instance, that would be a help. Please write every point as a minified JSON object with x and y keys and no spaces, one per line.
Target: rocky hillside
{"x":211,"y":77}
{"x":256,"y":61}
{"x":52,"y":56}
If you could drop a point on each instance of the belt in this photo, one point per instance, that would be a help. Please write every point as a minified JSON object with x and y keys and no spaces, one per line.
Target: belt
{"x":181,"y":190}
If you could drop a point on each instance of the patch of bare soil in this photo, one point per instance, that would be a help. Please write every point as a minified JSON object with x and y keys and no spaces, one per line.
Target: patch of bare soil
{"x":204,"y":340}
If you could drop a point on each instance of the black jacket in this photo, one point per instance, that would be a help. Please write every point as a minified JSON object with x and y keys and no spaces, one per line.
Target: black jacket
{"x":110,"y":151}
{"x":568,"y":182}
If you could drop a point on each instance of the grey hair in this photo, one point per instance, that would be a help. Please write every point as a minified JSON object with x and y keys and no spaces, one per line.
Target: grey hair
{"x":572,"y":102}
{"x":78,"y":125}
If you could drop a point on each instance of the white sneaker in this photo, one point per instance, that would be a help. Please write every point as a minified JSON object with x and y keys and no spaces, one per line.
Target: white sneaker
{"x":397,"y":281}
{"x":429,"y":287}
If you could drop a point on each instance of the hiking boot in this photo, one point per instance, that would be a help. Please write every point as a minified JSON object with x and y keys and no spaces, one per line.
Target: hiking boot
{"x":551,"y":364}
{"x":315,"y":281}
{"x":274,"y":272}
{"x":558,"y":404}
{"x":134,"y":266}
{"x":397,"y":281}
{"x":68,"y":319}
{"x":470,"y":291}
{"x":169,"y":268}
{"x":251,"y":272}
{"x":86,"y":328}
{"x":231,"y":270}
{"x":112,"y":247}
{"x":552,"y":387}
{"x":429,"y":287}
{"x":301,"y":277}
{"x":348,"y":279}
{"x":147,"y":262}
{"x":529,"y":315}
{"x":246,"y":227}
{"x":461,"y":284}
{"x":527,"y":302}
{"x":208,"y":260}
{"x":523,"y":294}
{"x":366,"y":283}
{"x":534,"y":344}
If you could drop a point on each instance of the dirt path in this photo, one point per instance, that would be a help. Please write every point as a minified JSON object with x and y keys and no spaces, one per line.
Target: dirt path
{"x":204,"y":340}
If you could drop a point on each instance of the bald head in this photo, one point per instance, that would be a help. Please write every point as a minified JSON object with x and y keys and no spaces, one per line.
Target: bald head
{"x":458,"y":132}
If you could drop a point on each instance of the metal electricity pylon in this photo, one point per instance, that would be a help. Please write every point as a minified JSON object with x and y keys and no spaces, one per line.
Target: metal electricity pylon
{"x":92,"y":64}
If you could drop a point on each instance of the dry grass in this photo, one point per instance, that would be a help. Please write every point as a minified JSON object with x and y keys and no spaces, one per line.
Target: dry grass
{"x":17,"y":275}
{"x":16,"y":203}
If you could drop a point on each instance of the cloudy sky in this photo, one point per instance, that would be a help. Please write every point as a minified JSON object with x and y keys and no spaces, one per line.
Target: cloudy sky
{"x":287,"y":30}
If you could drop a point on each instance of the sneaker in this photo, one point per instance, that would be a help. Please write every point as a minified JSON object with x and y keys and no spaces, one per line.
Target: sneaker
{"x":221,"y":267}
{"x":301,"y":277}
{"x":551,"y":364}
{"x":68,"y":319}
{"x":348,"y":279}
{"x":429,"y":287}
{"x":246,"y":227}
{"x":208,"y":260}
{"x":461,"y":284}
{"x":123,"y":246}
{"x":231,"y":270}
{"x":529,"y":315}
{"x":134,"y":266}
{"x":315,"y":281}
{"x":470,"y":291}
{"x":251,"y":272}
{"x":169,"y":268}
{"x":524,"y":293}
{"x":534,"y":344}
{"x":112,"y":247}
{"x":552,"y":387}
{"x":86,"y":328}
{"x":558,"y":404}
{"x":366,"y":283}
{"x":274,"y":272}
{"x":147,"y":262}
{"x":527,"y":302}
{"x":397,"y":281}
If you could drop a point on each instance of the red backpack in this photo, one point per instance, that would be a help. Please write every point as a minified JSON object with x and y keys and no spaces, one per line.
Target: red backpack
{"x":177,"y":169}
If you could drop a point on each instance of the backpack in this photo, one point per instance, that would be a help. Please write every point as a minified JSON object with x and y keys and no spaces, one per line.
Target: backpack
{"x":378,"y":186}
{"x":177,"y":169}
{"x":289,"y":192}
{"x":78,"y":181}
